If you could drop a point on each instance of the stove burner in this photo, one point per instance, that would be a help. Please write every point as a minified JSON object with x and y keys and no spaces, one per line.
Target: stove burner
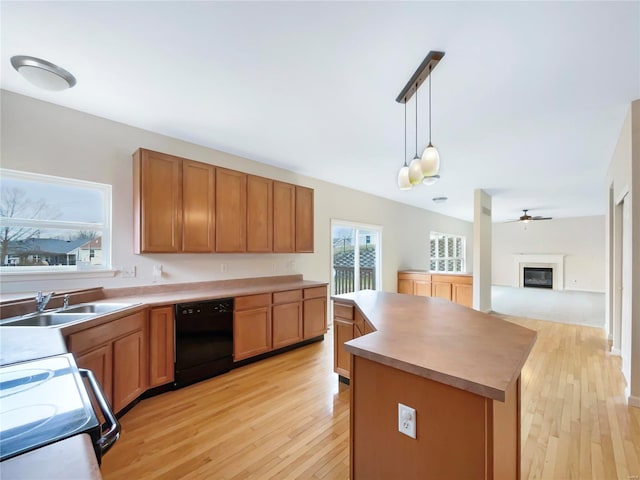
{"x":20,"y":380}
{"x":23,"y":420}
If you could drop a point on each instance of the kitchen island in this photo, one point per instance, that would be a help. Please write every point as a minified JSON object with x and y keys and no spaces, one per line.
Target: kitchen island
{"x":458,"y":368}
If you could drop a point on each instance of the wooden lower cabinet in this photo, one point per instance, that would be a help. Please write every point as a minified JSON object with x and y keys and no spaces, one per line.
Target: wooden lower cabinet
{"x":99,"y":361}
{"x":441,"y":290}
{"x":161,"y":346}
{"x":287,"y":324}
{"x":251,"y":326}
{"x":314,"y":312}
{"x":251,"y":333}
{"x":343,"y":332}
{"x":130,"y":368}
{"x":315,"y":317}
{"x":463,"y":294}
{"x":456,"y":288}
{"x":117,"y":352}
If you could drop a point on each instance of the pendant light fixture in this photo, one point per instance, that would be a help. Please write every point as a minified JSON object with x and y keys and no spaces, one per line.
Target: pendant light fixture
{"x":430,"y":160}
{"x":403,"y":174}
{"x":425,"y":168}
{"x":415,"y":167}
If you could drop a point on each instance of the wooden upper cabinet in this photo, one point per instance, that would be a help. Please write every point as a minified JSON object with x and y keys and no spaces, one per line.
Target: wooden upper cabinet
{"x":198,"y":207}
{"x":181,"y":205}
{"x":157,"y":206}
{"x":259,"y":214}
{"x":231,"y":211}
{"x":284,"y":217}
{"x":304,"y":219}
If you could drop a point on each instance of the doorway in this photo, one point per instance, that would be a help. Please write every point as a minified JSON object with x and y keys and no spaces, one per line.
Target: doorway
{"x":355,"y":257}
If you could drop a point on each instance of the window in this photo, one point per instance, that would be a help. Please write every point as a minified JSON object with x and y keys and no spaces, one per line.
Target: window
{"x":447,"y":253}
{"x":53,"y":224}
{"x":355,"y":254}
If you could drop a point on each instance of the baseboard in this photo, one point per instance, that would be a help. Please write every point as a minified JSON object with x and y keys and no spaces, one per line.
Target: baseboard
{"x":634,"y":401}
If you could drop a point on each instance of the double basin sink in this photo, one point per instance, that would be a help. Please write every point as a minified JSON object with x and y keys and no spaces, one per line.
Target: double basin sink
{"x":61,"y":316}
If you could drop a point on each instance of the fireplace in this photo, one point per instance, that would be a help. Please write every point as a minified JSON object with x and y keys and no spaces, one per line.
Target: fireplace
{"x":538,"y":277}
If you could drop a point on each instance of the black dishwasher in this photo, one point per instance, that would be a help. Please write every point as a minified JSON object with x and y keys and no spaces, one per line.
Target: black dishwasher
{"x":204,"y":340}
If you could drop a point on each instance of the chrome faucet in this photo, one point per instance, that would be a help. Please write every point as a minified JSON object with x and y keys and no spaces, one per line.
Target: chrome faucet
{"x":65,"y":301}
{"x":42,"y":300}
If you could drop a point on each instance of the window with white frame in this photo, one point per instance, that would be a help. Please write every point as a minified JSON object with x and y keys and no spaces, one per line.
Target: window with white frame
{"x":52,"y":223}
{"x":447,"y":252}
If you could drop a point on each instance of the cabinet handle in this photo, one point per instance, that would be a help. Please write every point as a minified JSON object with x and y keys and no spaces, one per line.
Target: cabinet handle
{"x":107,"y":440}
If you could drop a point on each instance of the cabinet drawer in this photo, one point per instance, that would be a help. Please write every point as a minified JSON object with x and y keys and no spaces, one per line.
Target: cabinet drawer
{"x":94,"y":336}
{"x":315,"y":292}
{"x":252,"y":301}
{"x":289,"y":296}
{"x":343,"y":311}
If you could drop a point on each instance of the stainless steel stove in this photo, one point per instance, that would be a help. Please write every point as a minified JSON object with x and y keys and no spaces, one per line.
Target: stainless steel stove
{"x":43,"y":401}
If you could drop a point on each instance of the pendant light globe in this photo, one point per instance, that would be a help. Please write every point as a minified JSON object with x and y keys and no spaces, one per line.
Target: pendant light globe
{"x":430,"y":161}
{"x":403,"y":178}
{"x":415,"y":171}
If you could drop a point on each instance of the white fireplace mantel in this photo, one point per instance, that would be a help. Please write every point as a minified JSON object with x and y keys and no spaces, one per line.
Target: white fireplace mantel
{"x":554,"y":261}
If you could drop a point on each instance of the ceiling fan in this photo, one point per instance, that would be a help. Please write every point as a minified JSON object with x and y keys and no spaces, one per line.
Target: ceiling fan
{"x":526,"y":218}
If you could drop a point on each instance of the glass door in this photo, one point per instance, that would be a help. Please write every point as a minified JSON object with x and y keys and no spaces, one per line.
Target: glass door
{"x":355,"y":253}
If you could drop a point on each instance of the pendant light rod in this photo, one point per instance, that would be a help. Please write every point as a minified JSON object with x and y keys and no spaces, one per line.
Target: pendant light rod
{"x":405,"y":134}
{"x":429,"y":104}
{"x":420,"y":75}
{"x":416,"y":121}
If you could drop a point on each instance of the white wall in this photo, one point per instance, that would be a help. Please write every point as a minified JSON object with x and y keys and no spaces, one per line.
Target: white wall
{"x":44,"y":138}
{"x":623,"y":298}
{"x":581,"y":239}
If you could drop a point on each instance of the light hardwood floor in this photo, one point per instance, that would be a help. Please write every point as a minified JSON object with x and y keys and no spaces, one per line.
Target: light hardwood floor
{"x":287,"y":417}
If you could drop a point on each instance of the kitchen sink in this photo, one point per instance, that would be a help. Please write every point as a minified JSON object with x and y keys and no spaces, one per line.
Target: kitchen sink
{"x":98,"y":308}
{"x":46,"y":319}
{"x":61,"y":316}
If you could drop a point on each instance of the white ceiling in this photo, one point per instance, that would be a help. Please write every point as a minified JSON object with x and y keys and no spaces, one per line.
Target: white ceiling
{"x":528,"y":102}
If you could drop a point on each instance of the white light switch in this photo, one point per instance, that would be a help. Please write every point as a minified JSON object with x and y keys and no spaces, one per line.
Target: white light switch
{"x":407,"y":420}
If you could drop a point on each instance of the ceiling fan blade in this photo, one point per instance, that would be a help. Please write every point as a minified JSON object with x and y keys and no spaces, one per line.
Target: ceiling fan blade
{"x":541,"y":218}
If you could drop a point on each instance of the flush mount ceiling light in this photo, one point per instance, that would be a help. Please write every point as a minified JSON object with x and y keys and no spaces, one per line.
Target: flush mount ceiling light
{"x":43,"y":74}
{"x":421,"y":169}
{"x":440,"y":199}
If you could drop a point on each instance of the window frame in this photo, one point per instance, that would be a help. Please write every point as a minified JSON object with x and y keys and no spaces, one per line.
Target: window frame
{"x":67,"y":271}
{"x":448,"y":236}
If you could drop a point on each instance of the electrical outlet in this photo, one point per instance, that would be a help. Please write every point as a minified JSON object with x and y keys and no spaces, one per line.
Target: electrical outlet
{"x":407,"y":420}
{"x":128,"y":272}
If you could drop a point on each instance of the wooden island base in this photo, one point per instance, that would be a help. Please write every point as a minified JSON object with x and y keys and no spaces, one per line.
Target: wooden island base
{"x":459,"y":369}
{"x":459,"y":435}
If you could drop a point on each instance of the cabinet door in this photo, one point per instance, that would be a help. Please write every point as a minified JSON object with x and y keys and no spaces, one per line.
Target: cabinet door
{"x":251,"y":332}
{"x":198,"y":201}
{"x":129,"y":369}
{"x":463,"y":294}
{"x":284,"y":217}
{"x":315,"y":317}
{"x":157,"y":202}
{"x":442,"y":290}
{"x":231,"y":211}
{"x":287,"y":324}
{"x":405,"y":286}
{"x":304,"y":219}
{"x":161,"y":346}
{"x":422,"y":288}
{"x":99,"y":361}
{"x":259,"y":214}
{"x":342,"y":359}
